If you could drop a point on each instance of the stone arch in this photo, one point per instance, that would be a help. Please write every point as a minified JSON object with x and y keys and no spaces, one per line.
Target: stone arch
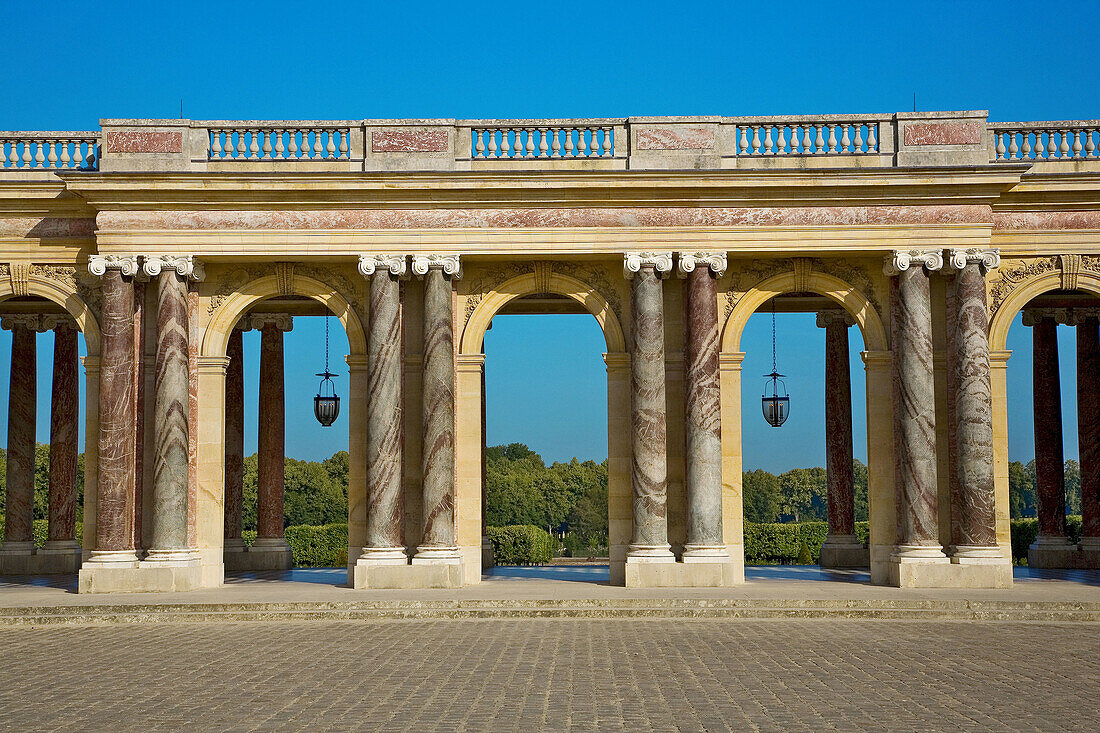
{"x":845,"y":295}
{"x":1023,"y":294}
{"x":473,"y":336}
{"x":216,"y":338}
{"x":67,"y":298}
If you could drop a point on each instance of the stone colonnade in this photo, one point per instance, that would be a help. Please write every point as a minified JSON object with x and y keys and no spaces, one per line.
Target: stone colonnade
{"x":1052,"y":548}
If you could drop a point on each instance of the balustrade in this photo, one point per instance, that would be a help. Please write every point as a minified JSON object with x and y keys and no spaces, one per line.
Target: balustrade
{"x":276,"y":142}
{"x":539,"y":141}
{"x":1046,"y":141}
{"x":49,"y":150}
{"x":755,"y":136}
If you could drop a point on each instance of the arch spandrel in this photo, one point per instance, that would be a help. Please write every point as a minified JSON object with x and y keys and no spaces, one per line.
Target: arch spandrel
{"x":1027,"y":291}
{"x":230,"y":310}
{"x":473,"y":335}
{"x":60,"y":293}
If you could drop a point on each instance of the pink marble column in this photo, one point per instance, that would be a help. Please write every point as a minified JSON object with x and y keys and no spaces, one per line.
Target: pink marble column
{"x":234,"y":437}
{"x":271,"y":443}
{"x":19,"y":508}
{"x":1088,"y":424}
{"x":1049,"y":467}
{"x":838,"y":426}
{"x":138,"y":412}
{"x":64,"y":414}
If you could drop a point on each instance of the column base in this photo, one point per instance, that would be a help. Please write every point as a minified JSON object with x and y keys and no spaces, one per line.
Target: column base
{"x":650,"y":553}
{"x":488,"y":554}
{"x":152,"y":578}
{"x":1051,"y":552}
{"x":705,"y":554}
{"x":17,"y":558}
{"x":57,"y":557}
{"x":844,"y":551}
{"x":926,"y":566}
{"x":383,"y":556}
{"x":267,"y":553}
{"x":416,"y":576}
{"x":233,"y":553}
{"x":435,"y":555}
{"x":646,"y":572}
{"x":172,"y":558}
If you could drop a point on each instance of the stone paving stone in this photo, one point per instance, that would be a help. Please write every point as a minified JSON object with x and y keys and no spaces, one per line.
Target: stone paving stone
{"x":553,"y":674}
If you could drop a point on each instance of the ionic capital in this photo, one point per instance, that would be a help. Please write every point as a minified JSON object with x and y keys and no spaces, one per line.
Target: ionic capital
{"x":57,"y":321}
{"x":257,"y":321}
{"x":184,"y":265}
{"x":1081,"y":316}
{"x":633,"y":262}
{"x":988,"y":259}
{"x":834,"y":318}
{"x":1034,"y":316}
{"x":99,"y":264}
{"x":396,"y":264}
{"x":22,"y":321}
{"x":688,"y":261}
{"x":449,"y":264}
{"x":902,"y":260}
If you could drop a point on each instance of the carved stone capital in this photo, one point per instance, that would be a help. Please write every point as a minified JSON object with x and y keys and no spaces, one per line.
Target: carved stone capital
{"x":902,"y":260}
{"x":834,"y":317}
{"x":988,"y":259}
{"x":21,"y":321}
{"x":1081,"y":316}
{"x":396,"y":264}
{"x":633,"y":262}
{"x":185,"y":266}
{"x":688,"y":261}
{"x":99,"y":264}
{"x":1033,"y":316}
{"x":257,"y":321}
{"x":450,"y":264}
{"x":57,"y":322}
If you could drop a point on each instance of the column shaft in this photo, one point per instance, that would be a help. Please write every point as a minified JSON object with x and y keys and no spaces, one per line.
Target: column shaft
{"x":1049,"y":468}
{"x":234,"y":435}
{"x":64,"y":413}
{"x":1088,"y":422}
{"x":385,"y":500}
{"x":170,"y":411}
{"x":271,"y":436}
{"x":838,"y":428}
{"x":438,"y":393}
{"x":703,"y":416}
{"x":19,"y":509}
{"x":648,"y":475}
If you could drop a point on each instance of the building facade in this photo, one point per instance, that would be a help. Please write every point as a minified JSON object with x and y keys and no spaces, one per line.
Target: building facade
{"x":160,"y":241}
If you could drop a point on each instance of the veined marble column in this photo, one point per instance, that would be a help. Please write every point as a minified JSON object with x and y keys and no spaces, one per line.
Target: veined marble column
{"x":1049,"y":456}
{"x":973,"y":405}
{"x":234,"y":441}
{"x":1087,"y":321}
{"x":385,"y":498}
{"x":19,"y":509}
{"x":271,"y":442}
{"x":703,"y":407}
{"x":438,"y":542}
{"x":115,"y":488}
{"x":170,"y":411}
{"x":64,"y":414}
{"x":649,"y":469}
{"x":915,"y":408}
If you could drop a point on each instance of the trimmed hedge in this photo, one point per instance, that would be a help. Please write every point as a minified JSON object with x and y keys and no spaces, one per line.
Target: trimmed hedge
{"x":520,"y":544}
{"x":313,"y":546}
{"x":781,"y":543}
{"x":1024,"y":532}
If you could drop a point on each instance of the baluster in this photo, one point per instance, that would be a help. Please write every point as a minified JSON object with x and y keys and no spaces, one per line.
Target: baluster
{"x":1013,"y":148}
{"x":1027,"y":144}
{"x":293,"y":141}
{"x":318,"y":146}
{"x":1000,"y":150}
{"x":215,"y":144}
{"x":872,"y":137}
{"x":807,"y":142}
{"x":594,"y":143}
{"x":1052,"y":145}
{"x":859,"y":138}
{"x":505,"y":145}
{"x":755,"y":139}
{"x":253,"y":143}
{"x":609,"y":141}
{"x":1076,"y":143}
{"x":796,"y":136}
{"x":330,"y":148}
{"x":1090,"y":146}
{"x":846,"y":141}
{"x":65,"y":153}
{"x":13,"y":156}
{"x":819,"y":141}
{"x":568,"y":142}
{"x":781,"y":147}
{"x":544,"y":146}
{"x":239,"y":152}
{"x":280,"y":149}
{"x":1063,"y":146}
{"x":26,"y":153}
{"x":832,"y":139}
{"x":51,"y":158}
{"x":744,"y":148}
{"x":479,"y":143}
{"x":345,"y":143}
{"x":582,"y":144}
{"x":492,"y":143}
{"x":768,"y":140}
{"x":555,"y":142}
{"x":529,"y":148}
{"x":266,"y":135}
{"x":39,"y":158}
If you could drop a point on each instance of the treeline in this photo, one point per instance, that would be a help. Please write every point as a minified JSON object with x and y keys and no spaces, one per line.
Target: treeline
{"x":1022,"y":494}
{"x":798,"y":495}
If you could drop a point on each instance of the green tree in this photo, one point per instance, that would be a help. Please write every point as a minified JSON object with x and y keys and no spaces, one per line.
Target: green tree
{"x":859,"y":481}
{"x":803,"y":494}
{"x":1021,"y":491}
{"x":1072,"y":473}
{"x":761,"y":495}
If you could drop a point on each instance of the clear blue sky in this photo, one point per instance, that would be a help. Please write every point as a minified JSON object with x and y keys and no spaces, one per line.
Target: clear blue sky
{"x":64,"y":65}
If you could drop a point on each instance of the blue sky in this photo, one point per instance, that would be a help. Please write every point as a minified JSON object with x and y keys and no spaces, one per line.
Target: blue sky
{"x":65,"y":65}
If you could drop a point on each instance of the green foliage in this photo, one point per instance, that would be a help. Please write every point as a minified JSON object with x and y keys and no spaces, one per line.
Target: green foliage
{"x":799,"y":495}
{"x":782,"y":543}
{"x":1024,"y":532}
{"x":804,"y":556}
{"x":324,"y":546}
{"x":522,"y":544}
{"x":761,"y":492}
{"x":315,"y":493}
{"x":42,"y":481}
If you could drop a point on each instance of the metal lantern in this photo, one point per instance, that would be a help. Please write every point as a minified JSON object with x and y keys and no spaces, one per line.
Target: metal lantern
{"x":326,"y":405}
{"x":775,"y":402}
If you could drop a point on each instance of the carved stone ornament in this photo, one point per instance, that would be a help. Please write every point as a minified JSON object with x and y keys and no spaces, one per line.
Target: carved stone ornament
{"x":256,"y":321}
{"x":688,"y":261}
{"x":396,"y":264}
{"x":185,"y":266}
{"x":829,"y":317}
{"x":902,"y":260}
{"x":633,"y":262}
{"x":99,"y":264}
{"x":30,"y":321}
{"x":56,"y":321}
{"x":450,"y":264}
{"x":989,"y":259}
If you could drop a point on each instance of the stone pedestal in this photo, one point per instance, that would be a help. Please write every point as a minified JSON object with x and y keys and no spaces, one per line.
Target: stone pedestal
{"x":844,"y":551}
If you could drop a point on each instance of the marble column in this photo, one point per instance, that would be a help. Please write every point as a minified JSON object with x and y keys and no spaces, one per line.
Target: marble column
{"x":703,"y":423}
{"x":64,"y":416}
{"x":1088,"y":423}
{"x":171,"y":438}
{"x":234,"y":441}
{"x":271,"y":436}
{"x":914,"y":408}
{"x":115,"y":486}
{"x":1047,"y":394}
{"x":385,"y":459}
{"x":649,"y":470}
{"x":976,"y":540}
{"x":438,"y":541}
{"x":22,"y":397}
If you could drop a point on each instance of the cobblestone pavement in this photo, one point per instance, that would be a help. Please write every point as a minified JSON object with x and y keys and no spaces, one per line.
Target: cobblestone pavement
{"x":540,"y":674}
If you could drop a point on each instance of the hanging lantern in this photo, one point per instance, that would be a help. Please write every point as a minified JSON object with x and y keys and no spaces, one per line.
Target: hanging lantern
{"x":326,"y":405}
{"x":775,"y":402}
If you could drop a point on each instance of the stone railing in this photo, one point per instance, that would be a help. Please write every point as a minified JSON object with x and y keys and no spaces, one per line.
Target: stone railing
{"x":49,"y":150}
{"x":822,"y":135}
{"x":249,"y":141}
{"x":527,"y":139}
{"x":1035,"y":141}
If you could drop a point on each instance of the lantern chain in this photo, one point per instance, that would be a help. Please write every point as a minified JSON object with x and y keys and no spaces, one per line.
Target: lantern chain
{"x":774,"y":362}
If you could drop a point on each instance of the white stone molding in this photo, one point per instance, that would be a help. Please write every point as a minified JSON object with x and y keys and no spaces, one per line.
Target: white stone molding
{"x":1066,"y":316}
{"x":99,"y":264}
{"x":29,"y":321}
{"x":256,"y":321}
{"x":450,"y":264}
{"x":989,"y":259}
{"x":902,"y":260}
{"x":633,"y":262}
{"x":185,"y":266}
{"x":396,"y":264}
{"x":688,"y":261}
{"x":828,"y":317}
